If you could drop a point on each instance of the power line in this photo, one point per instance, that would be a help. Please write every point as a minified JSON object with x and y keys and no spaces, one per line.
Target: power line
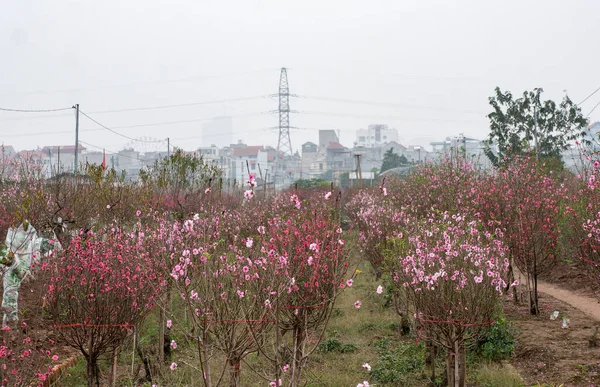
{"x":137,"y":126}
{"x":178,"y":80}
{"x":594,"y":108}
{"x":109,"y":152}
{"x":35,"y":117}
{"x":388,"y":104}
{"x":180,"y":105}
{"x":220,"y":134}
{"x":383,"y":117}
{"x":46,"y":133}
{"x":115,"y":132}
{"x":588,"y":97}
{"x":34,"y":110}
{"x":185,"y":121}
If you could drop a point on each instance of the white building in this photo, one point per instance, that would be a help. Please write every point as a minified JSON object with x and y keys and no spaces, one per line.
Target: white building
{"x":375,"y":136}
{"x":461,"y":146}
{"x":249,"y":159}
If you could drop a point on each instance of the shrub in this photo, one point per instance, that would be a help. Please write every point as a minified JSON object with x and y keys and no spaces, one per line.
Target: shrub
{"x":398,"y":365}
{"x":498,"y":343}
{"x":335,"y":345}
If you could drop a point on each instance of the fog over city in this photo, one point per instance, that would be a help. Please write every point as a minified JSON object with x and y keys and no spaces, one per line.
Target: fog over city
{"x":425,"y":68}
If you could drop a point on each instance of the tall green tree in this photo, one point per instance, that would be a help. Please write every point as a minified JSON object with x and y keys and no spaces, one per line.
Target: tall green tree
{"x":526,"y":124}
{"x":392,"y":160}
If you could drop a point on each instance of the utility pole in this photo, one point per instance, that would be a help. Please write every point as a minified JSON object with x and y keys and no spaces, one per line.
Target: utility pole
{"x":358,"y":171}
{"x":535,"y":137}
{"x":76,"y":166}
{"x":168,"y":147}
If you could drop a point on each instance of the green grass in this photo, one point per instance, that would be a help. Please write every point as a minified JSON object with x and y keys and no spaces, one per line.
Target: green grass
{"x":495,"y":375}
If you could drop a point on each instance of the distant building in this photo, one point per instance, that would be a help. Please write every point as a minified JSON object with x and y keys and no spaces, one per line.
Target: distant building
{"x":416,"y":154}
{"x":327,"y":160}
{"x":326,"y":137}
{"x":219,"y":131}
{"x":339,"y":160}
{"x":461,"y":146}
{"x":62,"y":157}
{"x":245,"y":160}
{"x":375,"y":136}
{"x":309,"y":156}
{"x":370,"y":158}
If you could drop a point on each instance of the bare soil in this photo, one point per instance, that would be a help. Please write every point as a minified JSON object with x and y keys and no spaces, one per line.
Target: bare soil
{"x":574,"y":276}
{"x":548,"y":353}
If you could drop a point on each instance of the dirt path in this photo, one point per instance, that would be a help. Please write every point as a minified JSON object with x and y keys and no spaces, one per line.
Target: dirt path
{"x":587,"y":305}
{"x":547,"y":353}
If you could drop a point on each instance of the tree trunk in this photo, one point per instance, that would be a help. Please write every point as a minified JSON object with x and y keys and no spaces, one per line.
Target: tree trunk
{"x":430,"y":355}
{"x":511,"y":279}
{"x":162,"y":321}
{"x":203,"y":352}
{"x":536,"y":307}
{"x":92,"y":362}
{"x":113,"y":373}
{"x":450,"y":367}
{"x":462,"y":363}
{"x":163,"y":334}
{"x":92,"y":372}
{"x":529,"y":294}
{"x":456,"y":365}
{"x":234,"y":372}
{"x":299,"y":339}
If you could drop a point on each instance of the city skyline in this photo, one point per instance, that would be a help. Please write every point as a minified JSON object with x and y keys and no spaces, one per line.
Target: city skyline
{"x":416,"y":67}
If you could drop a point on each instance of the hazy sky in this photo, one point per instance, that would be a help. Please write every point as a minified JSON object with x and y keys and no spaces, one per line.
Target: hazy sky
{"x":423,"y":67}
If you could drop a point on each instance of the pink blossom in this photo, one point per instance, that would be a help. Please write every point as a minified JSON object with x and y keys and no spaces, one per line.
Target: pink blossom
{"x":249,"y":242}
{"x":173,"y":344}
{"x":286,"y":368}
{"x":367,"y":367}
{"x":55,"y":357}
{"x":328,"y":195}
{"x":173,"y":366}
{"x":349,"y":282}
{"x":310,"y":260}
{"x":379,"y":289}
{"x":169,"y":324}
{"x":357,"y":304}
{"x":207,"y":191}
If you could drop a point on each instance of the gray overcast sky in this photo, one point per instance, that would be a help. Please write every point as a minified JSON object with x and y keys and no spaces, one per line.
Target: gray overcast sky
{"x":438,"y":61}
